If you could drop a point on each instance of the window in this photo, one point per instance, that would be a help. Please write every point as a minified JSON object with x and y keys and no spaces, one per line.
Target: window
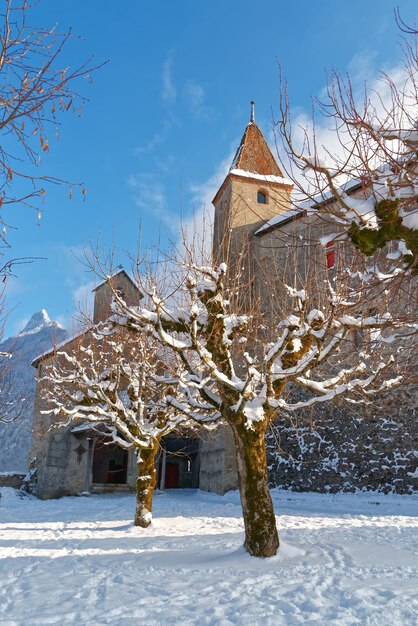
{"x":330,"y":251}
{"x":261,"y":197}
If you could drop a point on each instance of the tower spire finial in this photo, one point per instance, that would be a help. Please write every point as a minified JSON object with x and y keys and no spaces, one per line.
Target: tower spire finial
{"x":252,"y":111}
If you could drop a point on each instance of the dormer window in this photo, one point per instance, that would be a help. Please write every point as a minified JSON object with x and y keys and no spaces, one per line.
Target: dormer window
{"x":261,"y":197}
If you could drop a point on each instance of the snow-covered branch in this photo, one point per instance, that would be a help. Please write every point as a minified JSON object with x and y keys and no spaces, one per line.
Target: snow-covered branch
{"x":225,"y":371}
{"x":111,"y":383}
{"x":366,"y":178}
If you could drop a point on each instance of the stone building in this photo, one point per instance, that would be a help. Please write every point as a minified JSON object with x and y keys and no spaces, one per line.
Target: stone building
{"x":77,"y":458}
{"x":266,"y":241}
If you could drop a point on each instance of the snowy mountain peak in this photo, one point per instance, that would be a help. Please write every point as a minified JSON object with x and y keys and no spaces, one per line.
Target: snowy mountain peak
{"x":38,"y":321}
{"x":39,"y":336}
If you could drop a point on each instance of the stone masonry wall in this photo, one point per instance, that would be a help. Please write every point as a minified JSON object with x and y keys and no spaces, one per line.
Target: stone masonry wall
{"x":340,"y":450}
{"x":11,"y":479}
{"x":218,"y":468}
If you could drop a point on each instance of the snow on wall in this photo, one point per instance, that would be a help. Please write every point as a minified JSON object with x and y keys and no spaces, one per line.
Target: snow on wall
{"x":341,"y":451}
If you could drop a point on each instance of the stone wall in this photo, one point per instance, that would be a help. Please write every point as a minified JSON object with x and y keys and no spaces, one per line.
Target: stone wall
{"x":11,"y":479}
{"x":337,"y":449}
{"x":218,"y":467}
{"x":333,"y":449}
{"x":55,"y":453}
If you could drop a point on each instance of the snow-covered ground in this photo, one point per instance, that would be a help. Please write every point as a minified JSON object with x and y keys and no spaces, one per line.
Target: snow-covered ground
{"x":345,"y":559}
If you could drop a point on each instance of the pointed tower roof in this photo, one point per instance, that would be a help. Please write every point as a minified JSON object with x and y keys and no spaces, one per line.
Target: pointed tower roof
{"x":254,"y":160}
{"x":254,"y":155}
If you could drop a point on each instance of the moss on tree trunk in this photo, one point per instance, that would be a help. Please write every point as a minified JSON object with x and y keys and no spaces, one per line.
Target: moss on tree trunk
{"x":145,"y":484}
{"x":261,"y":537}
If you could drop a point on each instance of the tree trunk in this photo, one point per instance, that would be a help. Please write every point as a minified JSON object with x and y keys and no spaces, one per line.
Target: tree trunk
{"x":261,"y":537}
{"x":145,"y":484}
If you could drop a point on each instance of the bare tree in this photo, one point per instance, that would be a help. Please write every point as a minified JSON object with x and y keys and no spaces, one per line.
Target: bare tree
{"x":234,"y":372}
{"x":36,"y":89}
{"x":110,"y":383}
{"x":9,"y":410}
{"x":375,"y":147}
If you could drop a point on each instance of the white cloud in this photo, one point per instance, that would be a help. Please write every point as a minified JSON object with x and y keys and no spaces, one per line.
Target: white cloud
{"x":195,"y":97}
{"x":157,"y":139}
{"x":169,"y":91}
{"x":79,"y":284}
{"x":203,"y":193}
{"x":198,"y":227}
{"x":362,"y":66}
{"x":167,"y":163}
{"x":149,"y":194}
{"x":195,"y":93}
{"x":333,"y":146}
{"x":83,"y":298}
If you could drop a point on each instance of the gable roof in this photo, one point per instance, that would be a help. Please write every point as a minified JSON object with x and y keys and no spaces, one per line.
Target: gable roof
{"x":41,"y":357}
{"x":281,"y":219}
{"x":254,"y":155}
{"x":254,"y":161}
{"x":308,"y":207}
{"x":58,"y":346}
{"x":119,"y":270}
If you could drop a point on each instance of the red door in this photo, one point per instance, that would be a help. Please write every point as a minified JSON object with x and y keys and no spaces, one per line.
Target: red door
{"x":171,"y":476}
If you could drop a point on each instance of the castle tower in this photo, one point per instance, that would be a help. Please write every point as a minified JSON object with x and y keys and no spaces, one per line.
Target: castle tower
{"x":253,"y":193}
{"x":119,"y":282}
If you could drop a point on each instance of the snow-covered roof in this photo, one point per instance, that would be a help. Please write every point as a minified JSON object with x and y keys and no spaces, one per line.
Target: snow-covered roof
{"x":254,"y":159}
{"x":348,"y":187}
{"x":280,"y":220}
{"x":254,"y":154}
{"x":88,"y":429}
{"x":57,"y":347}
{"x":118,"y":270}
{"x":81,"y":427}
{"x":305,"y":208}
{"x":267,"y":178}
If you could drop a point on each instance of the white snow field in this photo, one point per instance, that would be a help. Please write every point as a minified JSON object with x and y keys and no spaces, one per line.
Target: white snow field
{"x":345,"y":559}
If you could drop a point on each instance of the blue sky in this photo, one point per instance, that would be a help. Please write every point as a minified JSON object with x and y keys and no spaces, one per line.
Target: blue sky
{"x":166,"y":113}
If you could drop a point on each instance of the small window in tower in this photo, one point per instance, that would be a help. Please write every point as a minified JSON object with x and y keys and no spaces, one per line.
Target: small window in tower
{"x":330,"y":249}
{"x":261,"y":197}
